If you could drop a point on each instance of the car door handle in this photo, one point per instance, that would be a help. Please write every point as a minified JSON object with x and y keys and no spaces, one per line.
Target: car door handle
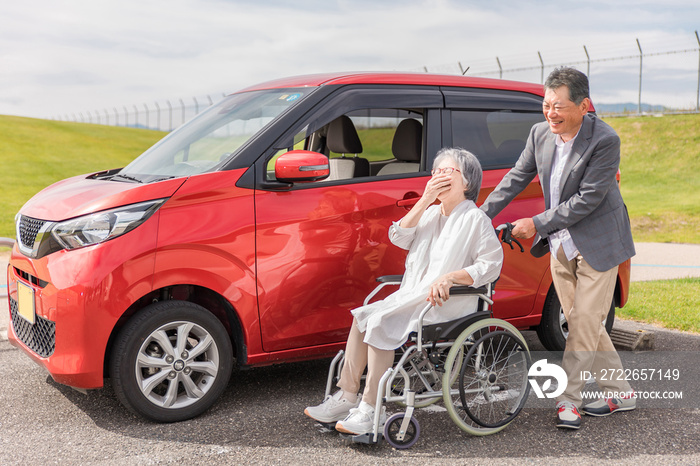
{"x":409,"y":200}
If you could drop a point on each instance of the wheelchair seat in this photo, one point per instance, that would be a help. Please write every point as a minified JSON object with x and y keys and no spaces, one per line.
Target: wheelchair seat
{"x":451,"y":330}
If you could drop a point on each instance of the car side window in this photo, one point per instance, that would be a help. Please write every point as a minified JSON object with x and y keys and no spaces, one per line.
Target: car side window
{"x":496,"y":137}
{"x":365,"y":143}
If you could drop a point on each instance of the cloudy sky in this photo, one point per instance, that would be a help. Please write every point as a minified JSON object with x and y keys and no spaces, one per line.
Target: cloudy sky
{"x":59,"y":57}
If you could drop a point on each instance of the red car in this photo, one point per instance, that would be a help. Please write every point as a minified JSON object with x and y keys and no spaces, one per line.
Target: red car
{"x":244,"y":237}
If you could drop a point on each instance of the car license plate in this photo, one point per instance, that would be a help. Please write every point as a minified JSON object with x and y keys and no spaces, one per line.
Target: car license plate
{"x":25,"y":298}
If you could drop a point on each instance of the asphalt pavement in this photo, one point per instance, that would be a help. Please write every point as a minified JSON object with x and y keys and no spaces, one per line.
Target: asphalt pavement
{"x":259,"y":419}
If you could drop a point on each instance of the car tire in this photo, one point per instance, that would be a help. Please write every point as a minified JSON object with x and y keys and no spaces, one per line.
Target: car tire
{"x":171,"y":361}
{"x":553,"y":328}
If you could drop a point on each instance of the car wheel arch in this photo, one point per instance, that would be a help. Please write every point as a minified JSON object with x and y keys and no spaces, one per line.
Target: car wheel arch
{"x":209,"y":299}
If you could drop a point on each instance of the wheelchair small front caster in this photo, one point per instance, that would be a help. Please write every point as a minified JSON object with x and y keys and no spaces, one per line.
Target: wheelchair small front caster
{"x":394,"y":436}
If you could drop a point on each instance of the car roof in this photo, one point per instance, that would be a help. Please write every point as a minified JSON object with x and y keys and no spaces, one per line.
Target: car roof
{"x":416,"y":79}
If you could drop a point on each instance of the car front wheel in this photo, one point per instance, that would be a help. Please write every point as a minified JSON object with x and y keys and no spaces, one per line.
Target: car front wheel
{"x":554,"y":329}
{"x":171,"y":361}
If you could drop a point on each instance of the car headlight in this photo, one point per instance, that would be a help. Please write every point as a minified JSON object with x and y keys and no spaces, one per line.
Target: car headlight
{"x":102,"y":226}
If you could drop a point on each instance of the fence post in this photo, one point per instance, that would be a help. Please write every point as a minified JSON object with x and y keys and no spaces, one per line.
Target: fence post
{"x":182,"y":106}
{"x":126,"y":116}
{"x":588,"y":61}
{"x":136,"y":117}
{"x":170,"y":115}
{"x":196,"y":106}
{"x":211,"y":102}
{"x":500,"y":69}
{"x":639,"y":101}
{"x":697,"y":95}
{"x":116,"y":116}
{"x":148,"y":125}
{"x":157,"y":116}
{"x":541,"y":67}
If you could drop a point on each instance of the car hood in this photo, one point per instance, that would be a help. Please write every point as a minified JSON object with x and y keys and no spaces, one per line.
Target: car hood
{"x":86,"y":194}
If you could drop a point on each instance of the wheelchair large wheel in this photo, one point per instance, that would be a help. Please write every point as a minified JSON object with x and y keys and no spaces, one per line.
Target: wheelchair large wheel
{"x":424,"y":376}
{"x":450,"y":381}
{"x":493,"y":383}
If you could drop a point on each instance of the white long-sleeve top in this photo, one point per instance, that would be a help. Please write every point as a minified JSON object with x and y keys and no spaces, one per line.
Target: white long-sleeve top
{"x":466,"y":241}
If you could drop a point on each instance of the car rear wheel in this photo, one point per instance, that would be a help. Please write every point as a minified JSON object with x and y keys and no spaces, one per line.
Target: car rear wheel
{"x":554,"y":330}
{"x":171,"y":361}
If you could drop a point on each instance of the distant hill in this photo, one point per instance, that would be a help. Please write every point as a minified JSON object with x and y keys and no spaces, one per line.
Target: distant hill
{"x":627,"y":107}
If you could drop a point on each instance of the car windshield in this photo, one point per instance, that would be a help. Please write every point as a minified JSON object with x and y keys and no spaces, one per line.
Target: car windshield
{"x":211,"y":138}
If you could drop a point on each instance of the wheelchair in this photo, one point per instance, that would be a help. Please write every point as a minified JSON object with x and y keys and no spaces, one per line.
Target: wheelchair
{"x":476,"y":365}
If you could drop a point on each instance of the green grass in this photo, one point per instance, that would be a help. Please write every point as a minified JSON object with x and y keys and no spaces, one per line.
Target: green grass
{"x":660,"y":179}
{"x":376,"y":144}
{"x":660,"y":165}
{"x":36,"y":153}
{"x":669,"y":303}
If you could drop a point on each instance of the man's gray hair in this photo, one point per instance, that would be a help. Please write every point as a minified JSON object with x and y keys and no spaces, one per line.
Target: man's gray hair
{"x":573,"y":79}
{"x":469,"y":166}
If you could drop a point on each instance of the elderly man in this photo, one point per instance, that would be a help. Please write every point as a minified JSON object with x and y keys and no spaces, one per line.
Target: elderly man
{"x":586,"y":229}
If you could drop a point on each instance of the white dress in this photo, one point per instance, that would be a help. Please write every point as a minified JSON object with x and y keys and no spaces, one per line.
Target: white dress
{"x":466,"y":241}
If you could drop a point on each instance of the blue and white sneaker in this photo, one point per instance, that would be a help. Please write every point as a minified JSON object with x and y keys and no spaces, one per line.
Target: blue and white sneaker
{"x":568,"y":416}
{"x":607,"y":406}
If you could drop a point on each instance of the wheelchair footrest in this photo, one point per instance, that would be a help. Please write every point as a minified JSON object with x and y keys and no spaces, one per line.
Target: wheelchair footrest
{"x":329,"y":426}
{"x":363,"y":438}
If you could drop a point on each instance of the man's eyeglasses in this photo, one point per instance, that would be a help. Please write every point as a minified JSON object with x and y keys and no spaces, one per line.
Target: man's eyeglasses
{"x":446,"y":171}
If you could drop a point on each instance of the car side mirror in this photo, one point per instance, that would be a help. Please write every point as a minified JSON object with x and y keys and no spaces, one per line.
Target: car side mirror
{"x":301,"y":166}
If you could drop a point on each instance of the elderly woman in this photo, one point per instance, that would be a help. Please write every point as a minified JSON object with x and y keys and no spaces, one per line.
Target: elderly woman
{"x":450,"y":243}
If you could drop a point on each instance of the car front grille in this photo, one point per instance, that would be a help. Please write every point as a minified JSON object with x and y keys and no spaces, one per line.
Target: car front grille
{"x":28,"y":229}
{"x":40,"y":337}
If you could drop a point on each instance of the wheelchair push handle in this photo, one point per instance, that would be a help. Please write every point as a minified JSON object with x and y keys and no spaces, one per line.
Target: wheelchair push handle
{"x":506,"y":235}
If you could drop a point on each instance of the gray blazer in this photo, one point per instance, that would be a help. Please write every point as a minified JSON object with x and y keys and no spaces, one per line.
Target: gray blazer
{"x":591,"y":206}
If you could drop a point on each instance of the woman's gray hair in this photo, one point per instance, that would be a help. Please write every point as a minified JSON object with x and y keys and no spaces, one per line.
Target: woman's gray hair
{"x":469,"y":166}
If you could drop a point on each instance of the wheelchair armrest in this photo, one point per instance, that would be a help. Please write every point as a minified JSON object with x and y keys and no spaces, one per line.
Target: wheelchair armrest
{"x":467,"y":290}
{"x":384,"y":280}
{"x":390,"y":278}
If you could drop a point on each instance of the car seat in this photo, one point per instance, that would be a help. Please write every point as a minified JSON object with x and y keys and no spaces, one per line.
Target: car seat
{"x":406,"y":147}
{"x":342,"y":139}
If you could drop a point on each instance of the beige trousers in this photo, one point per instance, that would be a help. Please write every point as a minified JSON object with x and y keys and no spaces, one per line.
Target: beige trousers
{"x":585,"y":295}
{"x":359,"y":355}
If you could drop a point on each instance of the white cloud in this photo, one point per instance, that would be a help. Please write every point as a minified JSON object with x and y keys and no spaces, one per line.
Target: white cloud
{"x":75,"y":55}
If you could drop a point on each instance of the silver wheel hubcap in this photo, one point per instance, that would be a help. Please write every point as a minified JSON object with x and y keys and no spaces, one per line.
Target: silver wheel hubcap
{"x":563,"y":324}
{"x":177,"y":365}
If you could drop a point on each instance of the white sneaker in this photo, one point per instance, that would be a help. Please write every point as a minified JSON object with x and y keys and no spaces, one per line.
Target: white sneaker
{"x":361,"y":420}
{"x":333,"y":409}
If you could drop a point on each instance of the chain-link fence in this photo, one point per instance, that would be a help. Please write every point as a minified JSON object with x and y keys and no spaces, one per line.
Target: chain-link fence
{"x":635,"y":80}
{"x":629,"y":78}
{"x":162,"y":116}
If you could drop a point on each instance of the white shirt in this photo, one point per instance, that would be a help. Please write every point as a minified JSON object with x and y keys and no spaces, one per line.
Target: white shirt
{"x":562,"y":237}
{"x":466,"y":241}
